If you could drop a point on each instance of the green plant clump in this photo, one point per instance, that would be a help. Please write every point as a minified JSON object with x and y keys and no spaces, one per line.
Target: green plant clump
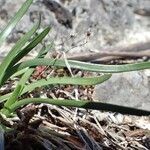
{"x":11,"y":66}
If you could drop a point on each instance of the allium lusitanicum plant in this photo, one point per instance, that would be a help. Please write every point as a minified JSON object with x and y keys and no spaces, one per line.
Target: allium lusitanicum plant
{"x":12,"y":65}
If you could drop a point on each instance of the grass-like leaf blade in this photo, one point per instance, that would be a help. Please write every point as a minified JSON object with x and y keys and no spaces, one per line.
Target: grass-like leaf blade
{"x":14,"y":21}
{"x":67,"y":80}
{"x":82,"y":104}
{"x":36,"y":40}
{"x":61,"y":80}
{"x":79,"y":65}
{"x":41,"y":54}
{"x":15,"y":50}
{"x":20,"y":86}
{"x":83,"y":65}
{"x":12,"y":99}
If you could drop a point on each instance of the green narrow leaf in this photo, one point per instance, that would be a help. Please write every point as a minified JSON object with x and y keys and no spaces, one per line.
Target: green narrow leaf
{"x":20,"y":43}
{"x":12,"y":99}
{"x":37,"y":39}
{"x":18,"y":90}
{"x":14,"y":20}
{"x":19,"y":72}
{"x":67,"y":80}
{"x":27,"y":72}
{"x":83,"y":65}
{"x":41,"y":54}
{"x":79,"y":65}
{"x":3,"y":98}
{"x":62,"y":80}
{"x":81,"y":104}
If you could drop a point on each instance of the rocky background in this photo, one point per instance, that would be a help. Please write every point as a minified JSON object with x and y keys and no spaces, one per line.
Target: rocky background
{"x":80,"y":26}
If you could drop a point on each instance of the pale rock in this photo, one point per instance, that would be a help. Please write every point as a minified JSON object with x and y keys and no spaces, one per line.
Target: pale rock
{"x":126,"y":89}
